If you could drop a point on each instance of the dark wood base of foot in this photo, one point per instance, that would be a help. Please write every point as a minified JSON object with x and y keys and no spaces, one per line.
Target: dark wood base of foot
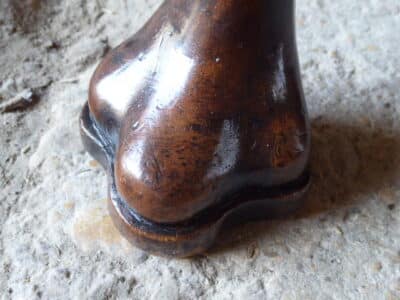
{"x":198,"y":233}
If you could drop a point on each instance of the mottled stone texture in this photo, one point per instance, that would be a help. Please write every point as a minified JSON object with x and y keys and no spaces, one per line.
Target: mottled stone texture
{"x":56,"y":238}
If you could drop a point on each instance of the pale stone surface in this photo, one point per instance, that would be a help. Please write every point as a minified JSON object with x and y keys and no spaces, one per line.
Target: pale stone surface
{"x":57,"y":240}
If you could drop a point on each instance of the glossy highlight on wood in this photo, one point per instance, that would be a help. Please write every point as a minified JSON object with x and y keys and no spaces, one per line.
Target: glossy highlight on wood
{"x":199,"y":120}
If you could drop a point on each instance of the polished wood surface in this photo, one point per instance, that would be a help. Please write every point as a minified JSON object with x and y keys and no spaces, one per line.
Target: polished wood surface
{"x":197,"y":115}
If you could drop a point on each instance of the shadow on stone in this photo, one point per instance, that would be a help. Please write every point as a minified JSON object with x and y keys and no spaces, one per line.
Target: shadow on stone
{"x":25,"y":13}
{"x":350,"y":160}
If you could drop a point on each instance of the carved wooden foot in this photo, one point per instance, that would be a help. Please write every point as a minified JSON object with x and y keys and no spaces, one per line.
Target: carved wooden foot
{"x":199,"y":120}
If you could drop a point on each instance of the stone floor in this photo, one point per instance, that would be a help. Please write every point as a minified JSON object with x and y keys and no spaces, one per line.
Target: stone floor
{"x":56,"y":238}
